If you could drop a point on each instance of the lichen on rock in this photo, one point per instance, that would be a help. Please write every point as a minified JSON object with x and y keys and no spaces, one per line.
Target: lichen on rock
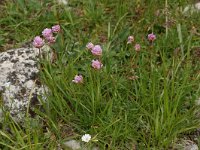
{"x":18,"y":80}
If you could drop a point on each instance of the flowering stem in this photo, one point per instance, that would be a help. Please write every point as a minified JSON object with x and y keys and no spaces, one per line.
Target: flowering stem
{"x":166,"y":17}
{"x":39,"y":54}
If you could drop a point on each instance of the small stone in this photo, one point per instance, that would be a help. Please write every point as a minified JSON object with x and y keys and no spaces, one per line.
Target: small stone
{"x":95,"y":148}
{"x":64,"y":2}
{"x":191,"y":147}
{"x":73,"y":144}
{"x":198,"y":102}
{"x":190,"y":9}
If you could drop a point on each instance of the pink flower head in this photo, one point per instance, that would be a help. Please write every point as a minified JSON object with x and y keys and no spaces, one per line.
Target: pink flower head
{"x":56,"y":29}
{"x":96,"y":50}
{"x":78,"y":79}
{"x":38,"y":42}
{"x":90,"y":46}
{"x":137,"y":47}
{"x":130,"y":39}
{"x":151,"y":37}
{"x":96,"y":64}
{"x":47,"y":33}
{"x":51,"y":39}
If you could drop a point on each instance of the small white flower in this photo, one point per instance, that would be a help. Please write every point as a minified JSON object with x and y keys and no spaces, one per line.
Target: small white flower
{"x":86,"y":138}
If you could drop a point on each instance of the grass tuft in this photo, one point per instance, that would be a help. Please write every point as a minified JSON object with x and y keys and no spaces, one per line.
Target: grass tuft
{"x":137,"y":100}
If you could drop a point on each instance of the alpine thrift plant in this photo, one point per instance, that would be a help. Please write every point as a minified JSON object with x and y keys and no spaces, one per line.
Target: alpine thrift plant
{"x":132,"y":92}
{"x":47,"y":33}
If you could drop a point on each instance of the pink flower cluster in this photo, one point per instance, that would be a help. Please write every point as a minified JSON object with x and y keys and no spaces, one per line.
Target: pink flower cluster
{"x":137,"y":47}
{"x":151,"y":37}
{"x":131,"y":39}
{"x":55,"y":29}
{"x":96,"y":64}
{"x":47,"y":33}
{"x":38,"y":42}
{"x":96,"y":50}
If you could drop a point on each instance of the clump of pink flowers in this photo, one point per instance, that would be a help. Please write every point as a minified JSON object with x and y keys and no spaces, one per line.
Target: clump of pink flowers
{"x":78,"y":79}
{"x":96,"y":64}
{"x":151,"y":37}
{"x":48,"y":34}
{"x":96,"y":50}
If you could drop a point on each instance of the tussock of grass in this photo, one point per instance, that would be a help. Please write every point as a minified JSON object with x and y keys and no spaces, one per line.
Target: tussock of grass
{"x":143,"y":99}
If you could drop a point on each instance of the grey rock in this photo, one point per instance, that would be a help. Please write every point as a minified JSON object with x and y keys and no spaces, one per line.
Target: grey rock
{"x":18,"y":75}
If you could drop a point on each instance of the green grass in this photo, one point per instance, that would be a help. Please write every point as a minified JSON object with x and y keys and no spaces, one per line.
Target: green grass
{"x":153,"y":111}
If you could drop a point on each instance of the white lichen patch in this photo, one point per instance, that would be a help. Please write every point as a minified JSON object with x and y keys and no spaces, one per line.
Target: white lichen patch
{"x":19,"y":83}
